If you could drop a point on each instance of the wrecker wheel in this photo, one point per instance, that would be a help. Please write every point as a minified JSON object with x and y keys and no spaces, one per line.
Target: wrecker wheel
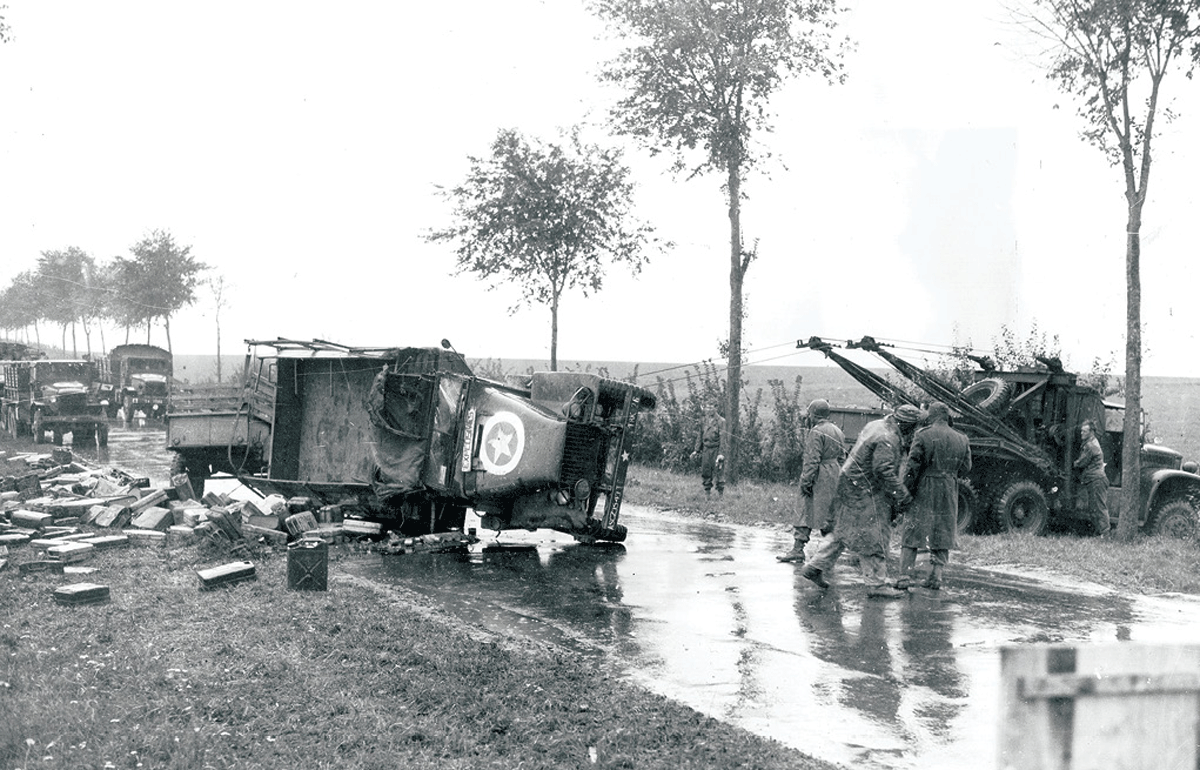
{"x":991,"y":395}
{"x":1022,"y":507}
{"x":968,"y":504}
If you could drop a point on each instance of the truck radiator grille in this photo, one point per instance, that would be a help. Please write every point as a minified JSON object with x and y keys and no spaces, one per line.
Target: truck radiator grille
{"x":583,"y":455}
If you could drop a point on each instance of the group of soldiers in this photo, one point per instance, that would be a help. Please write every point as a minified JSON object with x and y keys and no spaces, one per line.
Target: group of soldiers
{"x":905,"y":465}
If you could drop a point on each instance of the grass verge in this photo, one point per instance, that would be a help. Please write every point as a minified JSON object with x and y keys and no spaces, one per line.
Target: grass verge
{"x":165,"y":675}
{"x":1148,"y":564}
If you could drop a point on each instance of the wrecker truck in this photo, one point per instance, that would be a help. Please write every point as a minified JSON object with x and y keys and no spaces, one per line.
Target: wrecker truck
{"x":413,"y":438}
{"x":1023,"y":426}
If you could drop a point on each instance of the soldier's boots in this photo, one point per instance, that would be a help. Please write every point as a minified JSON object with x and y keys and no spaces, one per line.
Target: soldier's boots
{"x":908,"y":563}
{"x":885,"y":591}
{"x":934,"y":581}
{"x":796,"y":555}
{"x":812,"y":573}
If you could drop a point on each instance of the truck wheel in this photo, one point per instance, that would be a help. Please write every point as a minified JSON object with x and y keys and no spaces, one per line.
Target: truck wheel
{"x":39,"y":432}
{"x":991,"y":395}
{"x":1022,"y":507}
{"x":12,"y":423}
{"x":968,"y":502}
{"x":1174,"y":519}
{"x":58,"y":436}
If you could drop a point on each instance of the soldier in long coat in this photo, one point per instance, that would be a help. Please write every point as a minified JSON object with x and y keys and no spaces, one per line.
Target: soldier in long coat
{"x":868,"y":491}
{"x":939,"y":456}
{"x":824,"y":450}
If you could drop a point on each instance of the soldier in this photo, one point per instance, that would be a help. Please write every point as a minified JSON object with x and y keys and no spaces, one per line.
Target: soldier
{"x":708,"y":446}
{"x":868,"y":491}
{"x":1093,"y":483}
{"x":824,"y":450}
{"x":938,"y":457}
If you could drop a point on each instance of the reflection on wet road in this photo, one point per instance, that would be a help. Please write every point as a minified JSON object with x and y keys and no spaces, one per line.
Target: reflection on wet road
{"x":703,"y":613}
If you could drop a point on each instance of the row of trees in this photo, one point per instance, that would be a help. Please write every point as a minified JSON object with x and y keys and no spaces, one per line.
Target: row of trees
{"x":70,"y":289}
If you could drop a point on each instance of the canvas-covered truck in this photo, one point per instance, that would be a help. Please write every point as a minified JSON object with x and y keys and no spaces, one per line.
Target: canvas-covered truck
{"x":1023,"y":426}
{"x":56,"y":397}
{"x":136,"y":380}
{"x":412,"y":437}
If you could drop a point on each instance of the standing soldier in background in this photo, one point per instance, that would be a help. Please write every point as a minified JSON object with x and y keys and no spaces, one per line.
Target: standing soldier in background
{"x":938,"y":457}
{"x":708,"y":446}
{"x":1093,"y":484}
{"x":824,"y":450}
{"x":868,"y":492}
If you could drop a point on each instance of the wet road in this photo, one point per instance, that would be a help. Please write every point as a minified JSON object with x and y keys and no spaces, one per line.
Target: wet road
{"x":703,"y":613}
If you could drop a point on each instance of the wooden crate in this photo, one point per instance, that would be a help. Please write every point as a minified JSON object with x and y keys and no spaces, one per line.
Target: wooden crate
{"x":1110,"y":706}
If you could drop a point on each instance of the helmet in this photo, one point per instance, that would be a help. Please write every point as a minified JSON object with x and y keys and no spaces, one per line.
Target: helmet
{"x":908,"y":413}
{"x":818,"y":408}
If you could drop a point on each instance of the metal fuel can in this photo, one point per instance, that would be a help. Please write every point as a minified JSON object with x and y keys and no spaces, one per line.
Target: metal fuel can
{"x":308,"y":565}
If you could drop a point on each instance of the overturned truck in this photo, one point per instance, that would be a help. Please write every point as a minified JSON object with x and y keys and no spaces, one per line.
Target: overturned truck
{"x":1023,"y":426}
{"x":413,"y":437}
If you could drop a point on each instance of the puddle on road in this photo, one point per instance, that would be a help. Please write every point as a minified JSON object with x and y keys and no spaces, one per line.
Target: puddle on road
{"x":704,"y":614}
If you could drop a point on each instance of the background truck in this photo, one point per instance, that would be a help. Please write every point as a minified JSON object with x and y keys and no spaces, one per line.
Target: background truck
{"x":54,"y":396}
{"x":1024,"y":431}
{"x":413,"y":437}
{"x":136,"y":378}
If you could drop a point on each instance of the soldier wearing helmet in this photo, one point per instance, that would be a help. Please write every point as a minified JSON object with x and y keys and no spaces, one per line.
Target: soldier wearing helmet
{"x":824,"y":450}
{"x":939,"y":456}
{"x":869,"y":490}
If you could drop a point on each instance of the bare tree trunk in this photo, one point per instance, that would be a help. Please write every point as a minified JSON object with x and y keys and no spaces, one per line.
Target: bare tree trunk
{"x":554,"y":332}
{"x":167,"y":326}
{"x":737,"y":273}
{"x":1131,"y":449}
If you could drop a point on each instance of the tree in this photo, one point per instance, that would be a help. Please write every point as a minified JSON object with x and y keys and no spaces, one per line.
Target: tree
{"x":5,"y":30}
{"x":699,"y":77}
{"x":1113,"y":56}
{"x":66,"y":279}
{"x":161,"y":279}
{"x":546,"y":217}
{"x":218,"y":287}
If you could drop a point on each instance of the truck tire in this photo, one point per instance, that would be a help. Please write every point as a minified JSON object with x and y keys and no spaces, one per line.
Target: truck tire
{"x":1022,"y":507}
{"x":991,"y":395}
{"x":968,"y":503}
{"x":11,"y":423}
{"x":57,"y":434}
{"x":1176,"y":518}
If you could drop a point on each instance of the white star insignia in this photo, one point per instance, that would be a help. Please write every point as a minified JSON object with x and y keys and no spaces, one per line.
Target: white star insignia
{"x":501,"y":444}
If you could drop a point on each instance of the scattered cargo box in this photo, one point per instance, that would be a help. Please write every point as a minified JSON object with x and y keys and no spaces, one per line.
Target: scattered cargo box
{"x":81,"y":593}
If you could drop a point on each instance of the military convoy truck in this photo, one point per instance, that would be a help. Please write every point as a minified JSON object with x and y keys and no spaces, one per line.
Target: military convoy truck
{"x":55,"y":396}
{"x":136,"y":380}
{"x":1024,"y":431}
{"x":412,"y":437}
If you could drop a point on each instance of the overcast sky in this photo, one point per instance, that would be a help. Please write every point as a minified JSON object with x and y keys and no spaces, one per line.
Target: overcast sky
{"x":296,"y":147}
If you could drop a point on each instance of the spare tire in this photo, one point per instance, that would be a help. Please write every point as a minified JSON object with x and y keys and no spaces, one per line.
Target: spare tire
{"x":991,"y":395}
